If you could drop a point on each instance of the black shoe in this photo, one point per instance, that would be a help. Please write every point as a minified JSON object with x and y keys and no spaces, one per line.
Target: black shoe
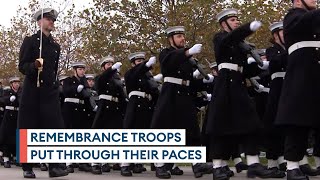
{"x":116,"y":167}
{"x":283,"y":167}
{"x":241,"y":166}
{"x":296,"y":174}
{"x":258,"y":170}
{"x":63,"y":166}
{"x":219,"y":174}
{"x":105,"y":168}
{"x":228,"y":171}
{"x":137,"y":168}
{"x":57,"y":172}
{"x":168,"y":166}
{"x":69,"y":169}
{"x":200,"y":169}
{"x":176,"y":171}
{"x":96,"y":169}
{"x":43,"y":167}
{"x":152,"y":168}
{"x":307,"y":170}
{"x":125,"y":171}
{"x":162,"y":173}
{"x":29,"y":174}
{"x":7,"y":164}
{"x":84,"y":167}
{"x":276,"y":173}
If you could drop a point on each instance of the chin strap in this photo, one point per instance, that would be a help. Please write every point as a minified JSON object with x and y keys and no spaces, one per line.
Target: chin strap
{"x":305,"y":5}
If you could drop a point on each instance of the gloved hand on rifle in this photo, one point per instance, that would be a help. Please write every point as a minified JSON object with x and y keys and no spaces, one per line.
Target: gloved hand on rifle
{"x":158,"y":77}
{"x":196,"y":73}
{"x":265,"y":65}
{"x":210,"y":80}
{"x":38,"y":63}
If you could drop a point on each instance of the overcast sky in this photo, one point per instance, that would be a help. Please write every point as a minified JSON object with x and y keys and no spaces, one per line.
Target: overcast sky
{"x":9,"y":8}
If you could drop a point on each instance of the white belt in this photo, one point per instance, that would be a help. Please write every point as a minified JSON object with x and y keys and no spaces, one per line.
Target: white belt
{"x":277,"y":75}
{"x":265,"y":89}
{"x":12,"y":108}
{"x":1,"y":109}
{"x":140,"y":94}
{"x":74,"y":100}
{"x":303,"y":44}
{"x":230,"y":66}
{"x":108,"y":97}
{"x":177,"y":81}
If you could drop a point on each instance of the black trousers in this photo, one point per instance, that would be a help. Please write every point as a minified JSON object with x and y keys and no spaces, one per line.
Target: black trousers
{"x":274,"y":145}
{"x":296,"y":143}
{"x":316,"y":146}
{"x":9,"y":149}
{"x":224,"y":147}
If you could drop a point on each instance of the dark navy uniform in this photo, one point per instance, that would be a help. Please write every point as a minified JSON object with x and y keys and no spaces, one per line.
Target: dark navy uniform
{"x":300,"y":99}
{"x":9,"y":123}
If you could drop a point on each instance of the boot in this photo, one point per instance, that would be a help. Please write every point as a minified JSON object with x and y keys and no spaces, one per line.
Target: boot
{"x":7,"y":164}
{"x":57,"y":172}
{"x":258,"y":170}
{"x":96,"y":169}
{"x":43,"y":167}
{"x":137,"y":168}
{"x":84,"y":167}
{"x":70,"y":169}
{"x":276,"y":173}
{"x":162,"y":173}
{"x":307,"y":170}
{"x":105,"y":168}
{"x":176,"y":171}
{"x":241,"y":166}
{"x":200,"y":169}
{"x":283,"y":167}
{"x":125,"y":171}
{"x":219,"y":174}
{"x":228,"y":171}
{"x":116,"y":167}
{"x":29,"y":174}
{"x":296,"y":174}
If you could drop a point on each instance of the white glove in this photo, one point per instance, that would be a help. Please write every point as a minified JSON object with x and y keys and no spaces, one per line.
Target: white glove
{"x":196,"y":49}
{"x":40,"y":60}
{"x":12,"y":98}
{"x":196,"y":73}
{"x":255,"y":25}
{"x":265,"y":65}
{"x":210,"y":79}
{"x":251,"y":60}
{"x":158,"y":77}
{"x":116,"y":66}
{"x":95,"y":108}
{"x":209,"y":96}
{"x":80,"y":88}
{"x":259,"y":90}
{"x":151,"y":61}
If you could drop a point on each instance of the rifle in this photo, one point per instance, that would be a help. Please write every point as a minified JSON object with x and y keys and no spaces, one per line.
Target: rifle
{"x":195,"y":65}
{"x":252,"y":51}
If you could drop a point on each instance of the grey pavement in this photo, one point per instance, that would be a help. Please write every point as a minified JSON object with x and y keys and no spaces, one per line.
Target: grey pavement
{"x":15,"y":173}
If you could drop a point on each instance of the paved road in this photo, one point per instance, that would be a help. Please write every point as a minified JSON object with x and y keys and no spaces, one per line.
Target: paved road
{"x":15,"y":173}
